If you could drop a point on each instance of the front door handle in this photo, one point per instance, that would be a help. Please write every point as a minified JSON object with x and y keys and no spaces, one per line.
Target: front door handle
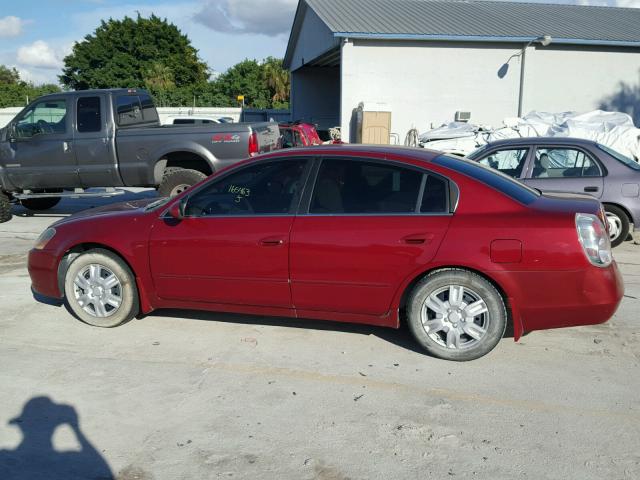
{"x":418,"y":238}
{"x":272,"y":241}
{"x":591,"y":189}
{"x":66,"y":146}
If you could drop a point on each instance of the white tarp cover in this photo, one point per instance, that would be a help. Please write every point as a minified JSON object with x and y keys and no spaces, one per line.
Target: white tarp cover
{"x":613,"y":129}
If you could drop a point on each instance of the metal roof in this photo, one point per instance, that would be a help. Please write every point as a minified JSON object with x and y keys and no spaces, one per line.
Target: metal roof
{"x":473,"y":20}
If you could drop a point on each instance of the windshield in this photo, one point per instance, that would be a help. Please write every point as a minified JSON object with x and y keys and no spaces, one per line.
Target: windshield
{"x":620,"y":157}
{"x":157,"y":204}
{"x":493,"y":178}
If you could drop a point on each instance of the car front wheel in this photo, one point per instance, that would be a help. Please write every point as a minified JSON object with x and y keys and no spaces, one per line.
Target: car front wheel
{"x":100,"y":289}
{"x":455,"y":314}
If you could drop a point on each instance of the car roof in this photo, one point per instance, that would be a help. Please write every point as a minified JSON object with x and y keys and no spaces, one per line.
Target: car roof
{"x":380,"y":151}
{"x":540,"y":140}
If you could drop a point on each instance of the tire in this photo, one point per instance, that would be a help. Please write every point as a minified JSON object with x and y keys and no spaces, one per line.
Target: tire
{"x":39,"y":204}
{"x":618,"y":224}
{"x":177,"y":180}
{"x":92,"y":300}
{"x":430,"y":300}
{"x":5,"y":208}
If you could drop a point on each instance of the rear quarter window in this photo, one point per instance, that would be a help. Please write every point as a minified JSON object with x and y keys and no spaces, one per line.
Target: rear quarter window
{"x":496,"y":180}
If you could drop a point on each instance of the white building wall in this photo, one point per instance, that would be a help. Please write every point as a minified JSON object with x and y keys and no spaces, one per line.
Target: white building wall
{"x":579,"y":78}
{"x":423,"y":84}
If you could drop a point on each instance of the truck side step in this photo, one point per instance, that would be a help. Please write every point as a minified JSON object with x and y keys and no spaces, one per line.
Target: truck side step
{"x":77,"y":193}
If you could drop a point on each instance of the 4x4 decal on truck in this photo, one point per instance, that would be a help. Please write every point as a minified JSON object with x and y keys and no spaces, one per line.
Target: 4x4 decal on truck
{"x":228,"y":138}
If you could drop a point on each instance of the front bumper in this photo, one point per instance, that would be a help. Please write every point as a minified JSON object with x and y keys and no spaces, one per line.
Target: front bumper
{"x":43,"y":270}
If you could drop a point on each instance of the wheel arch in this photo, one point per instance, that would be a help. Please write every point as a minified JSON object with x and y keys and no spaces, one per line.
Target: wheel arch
{"x":72,"y":253}
{"x":189,"y":158}
{"x":621,"y":207}
{"x":514,"y":322}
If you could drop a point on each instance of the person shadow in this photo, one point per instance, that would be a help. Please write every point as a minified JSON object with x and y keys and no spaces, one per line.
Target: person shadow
{"x":36,"y":458}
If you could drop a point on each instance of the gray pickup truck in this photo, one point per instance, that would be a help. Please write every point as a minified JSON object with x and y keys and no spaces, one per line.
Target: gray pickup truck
{"x":62,"y":144}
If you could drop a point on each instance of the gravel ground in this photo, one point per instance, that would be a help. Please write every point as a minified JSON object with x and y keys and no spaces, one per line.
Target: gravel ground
{"x":189,"y":395}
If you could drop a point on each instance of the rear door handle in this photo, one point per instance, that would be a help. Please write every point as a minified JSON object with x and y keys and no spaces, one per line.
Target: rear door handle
{"x":591,"y":189}
{"x":272,"y":242}
{"x":418,"y":238}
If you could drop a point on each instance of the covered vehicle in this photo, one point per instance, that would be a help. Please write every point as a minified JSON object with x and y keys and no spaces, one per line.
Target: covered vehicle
{"x":561,"y":164}
{"x":355,"y":234}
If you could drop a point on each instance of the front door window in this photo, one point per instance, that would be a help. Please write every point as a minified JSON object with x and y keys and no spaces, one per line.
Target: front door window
{"x":43,"y":118}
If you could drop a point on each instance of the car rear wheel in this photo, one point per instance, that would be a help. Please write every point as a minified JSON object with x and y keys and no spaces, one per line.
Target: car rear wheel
{"x":100,"y":289}
{"x":177,"y":180}
{"x":618,"y":224}
{"x":455,"y":314}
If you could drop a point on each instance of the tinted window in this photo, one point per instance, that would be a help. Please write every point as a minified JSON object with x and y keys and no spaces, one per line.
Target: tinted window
{"x":509,"y":161}
{"x":435,"y":197}
{"x":562,"y":163}
{"x":89,"y":115}
{"x":184,"y":121}
{"x":43,"y":118}
{"x":132,"y":109}
{"x":129,"y":109}
{"x":352,"y":186}
{"x":263,"y":189}
{"x":620,"y":157}
{"x":490,"y":177}
{"x":149,"y":112}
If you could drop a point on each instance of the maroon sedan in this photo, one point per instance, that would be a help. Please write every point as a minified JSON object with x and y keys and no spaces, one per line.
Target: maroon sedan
{"x":353,"y":234}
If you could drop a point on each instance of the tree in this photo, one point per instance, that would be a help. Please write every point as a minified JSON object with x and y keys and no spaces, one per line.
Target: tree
{"x":131,"y":53}
{"x":14,"y":92}
{"x":8,"y":76}
{"x":278,"y":81}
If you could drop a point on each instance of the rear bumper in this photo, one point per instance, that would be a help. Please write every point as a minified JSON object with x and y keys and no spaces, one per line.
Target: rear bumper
{"x":546,"y":300}
{"x":43,"y":270}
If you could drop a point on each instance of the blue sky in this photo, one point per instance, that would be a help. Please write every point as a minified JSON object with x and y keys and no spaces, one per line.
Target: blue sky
{"x":35,"y":35}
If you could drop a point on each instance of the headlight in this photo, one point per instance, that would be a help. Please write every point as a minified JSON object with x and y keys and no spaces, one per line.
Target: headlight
{"x":594,"y":239}
{"x":44,"y":238}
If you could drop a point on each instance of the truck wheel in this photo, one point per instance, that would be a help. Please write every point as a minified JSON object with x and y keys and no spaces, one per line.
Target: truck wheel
{"x":38,"y":204}
{"x":5,"y":208}
{"x":177,"y":181}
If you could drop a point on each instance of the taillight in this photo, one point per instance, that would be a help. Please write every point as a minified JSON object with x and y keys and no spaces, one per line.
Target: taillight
{"x":594,"y":239}
{"x":253,"y":144}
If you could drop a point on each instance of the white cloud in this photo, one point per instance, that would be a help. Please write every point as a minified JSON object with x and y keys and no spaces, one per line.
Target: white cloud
{"x":270,"y":18}
{"x":11,"y":26}
{"x":40,"y":54}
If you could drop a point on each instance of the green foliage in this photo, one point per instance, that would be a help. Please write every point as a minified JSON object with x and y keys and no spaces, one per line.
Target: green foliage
{"x":16,"y":93}
{"x":8,"y":75}
{"x":141,"y":52}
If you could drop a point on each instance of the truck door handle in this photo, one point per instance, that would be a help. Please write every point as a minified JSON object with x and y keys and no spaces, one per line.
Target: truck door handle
{"x":418,"y":238}
{"x":272,"y":242}
{"x":66,"y":146}
{"x":591,"y":189}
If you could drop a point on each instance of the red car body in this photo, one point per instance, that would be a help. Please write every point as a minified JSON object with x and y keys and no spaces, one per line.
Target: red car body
{"x":299,"y":135}
{"x":350,"y":268}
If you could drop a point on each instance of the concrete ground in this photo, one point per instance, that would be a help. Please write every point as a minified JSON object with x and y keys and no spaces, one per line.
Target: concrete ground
{"x":190,"y":395}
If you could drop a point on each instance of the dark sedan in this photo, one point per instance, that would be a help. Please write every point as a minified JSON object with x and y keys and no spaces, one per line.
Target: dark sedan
{"x":573,"y":165}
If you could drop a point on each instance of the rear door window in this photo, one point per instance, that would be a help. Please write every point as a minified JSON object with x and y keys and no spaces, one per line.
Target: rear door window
{"x":351,"y":186}
{"x":134,"y":109}
{"x":89,"y":114}
{"x":562,"y":163}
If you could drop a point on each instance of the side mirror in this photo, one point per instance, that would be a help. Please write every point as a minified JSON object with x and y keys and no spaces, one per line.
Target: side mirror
{"x":11,"y":132}
{"x":177,"y":210}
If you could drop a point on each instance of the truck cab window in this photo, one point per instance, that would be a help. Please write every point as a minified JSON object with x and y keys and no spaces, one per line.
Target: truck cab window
{"x":43,"y":118}
{"x":89,"y":115}
{"x":129,"y":109}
